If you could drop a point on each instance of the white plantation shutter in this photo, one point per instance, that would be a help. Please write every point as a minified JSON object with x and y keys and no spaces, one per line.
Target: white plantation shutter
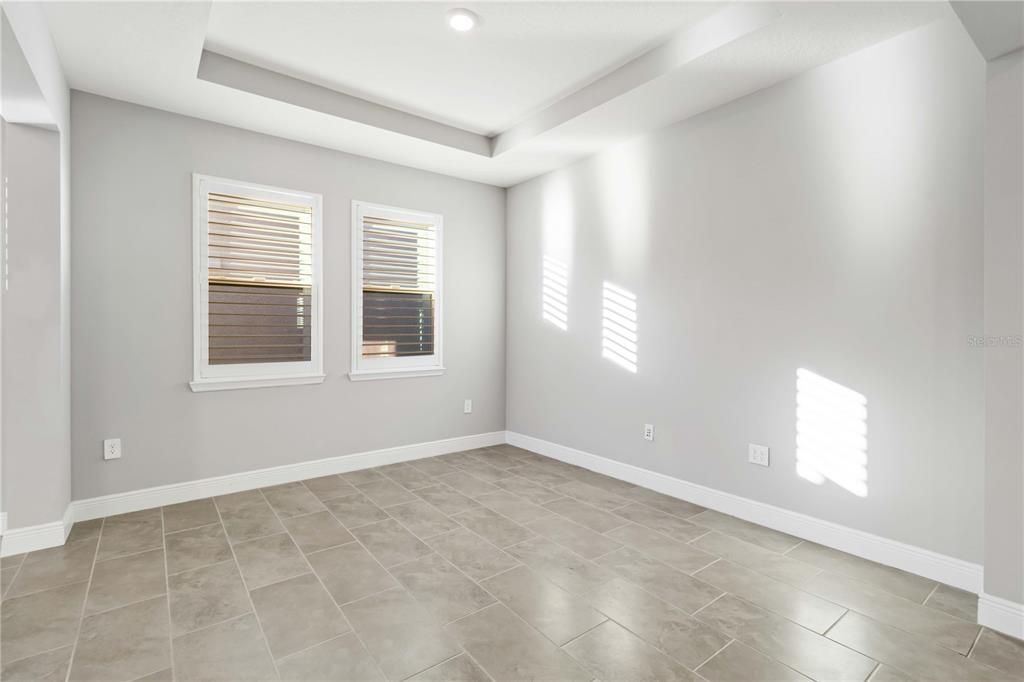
{"x":398,"y":268}
{"x":258,"y":281}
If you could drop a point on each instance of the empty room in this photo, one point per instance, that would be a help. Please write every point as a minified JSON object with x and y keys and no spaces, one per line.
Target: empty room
{"x":506,"y":341}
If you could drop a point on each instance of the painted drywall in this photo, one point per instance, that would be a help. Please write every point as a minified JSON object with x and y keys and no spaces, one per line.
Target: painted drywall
{"x":830,"y":223}
{"x":132,"y":306}
{"x":35,"y":457}
{"x":33,"y":92}
{"x":1004,"y":308}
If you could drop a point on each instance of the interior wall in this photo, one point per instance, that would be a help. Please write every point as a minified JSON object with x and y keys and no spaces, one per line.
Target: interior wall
{"x":33,"y":441}
{"x":831,"y":223}
{"x":132,"y":306}
{"x":1004,"y":312}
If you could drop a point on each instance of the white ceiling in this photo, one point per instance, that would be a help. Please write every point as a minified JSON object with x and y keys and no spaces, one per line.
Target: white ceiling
{"x":523,"y":56}
{"x":560,"y":80}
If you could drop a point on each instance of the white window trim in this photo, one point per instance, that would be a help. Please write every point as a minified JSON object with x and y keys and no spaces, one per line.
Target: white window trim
{"x":394,"y":368}
{"x":206,"y":377}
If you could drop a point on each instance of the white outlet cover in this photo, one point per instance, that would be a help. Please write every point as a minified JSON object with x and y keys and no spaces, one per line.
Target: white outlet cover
{"x":758,"y":454}
{"x":648,"y":431}
{"x":467,"y":407}
{"x":112,"y":448}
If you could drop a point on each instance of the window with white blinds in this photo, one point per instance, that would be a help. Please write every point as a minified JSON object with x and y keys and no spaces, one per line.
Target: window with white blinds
{"x":397,"y":274}
{"x":258,"y":299}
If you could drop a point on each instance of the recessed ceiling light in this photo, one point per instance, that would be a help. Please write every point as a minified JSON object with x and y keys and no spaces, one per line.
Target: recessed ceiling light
{"x":462,"y":20}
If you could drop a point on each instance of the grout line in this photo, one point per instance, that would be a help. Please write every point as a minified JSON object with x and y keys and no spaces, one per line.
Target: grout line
{"x":248,"y":595}
{"x":874,"y":670}
{"x":974,"y":643}
{"x":587,"y":631}
{"x":185,"y":530}
{"x":829,"y":628}
{"x":167,"y":588}
{"x":731,"y":640}
{"x":930,"y":595}
{"x":85,"y":600}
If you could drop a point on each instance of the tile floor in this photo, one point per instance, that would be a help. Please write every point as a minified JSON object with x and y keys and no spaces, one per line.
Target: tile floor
{"x":490,"y":564}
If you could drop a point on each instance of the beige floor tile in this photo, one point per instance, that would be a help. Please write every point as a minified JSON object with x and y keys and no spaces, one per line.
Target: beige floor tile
{"x":131,"y":533}
{"x":561,"y":566}
{"x":6,"y":578}
{"x":165,"y":675}
{"x":959,"y":603}
{"x":676,"y":633}
{"x":607,"y":483}
{"x":400,"y":634}
{"x":571,"y":535}
{"x":814,"y":613}
{"x":190,"y":515}
{"x":12,"y":561}
{"x":296,"y":614}
{"x":197,"y":547}
{"x":123,"y":644}
{"x":610,"y":652}
{"x":350,"y":573}
{"x":906,"y":652}
{"x":269,"y":560}
{"x":493,"y":527}
{"x":535,"y":473}
{"x":126,"y":580}
{"x":906,"y":585}
{"x":233,"y":651}
{"x":389,"y":543}
{"x":684,"y":557}
{"x":510,"y":650}
{"x":355,"y":510}
{"x":254,"y":519}
{"x":40,"y":621}
{"x":467,"y":484}
{"x":666,"y":524}
{"x":804,"y":651}
{"x":446,"y":499}
{"x":422,"y":519}
{"x":48,"y":568}
{"x":50,"y":666}
{"x":329,"y":487}
{"x":513,"y":507}
{"x":341,"y":658}
{"x":292,"y":499}
{"x":596,"y":497}
{"x":317,"y":531}
{"x":557,"y":614}
{"x":1000,"y":652}
{"x":739,"y":663}
{"x":433,"y":466}
{"x":410,"y":477}
{"x":458,"y":669}
{"x":485,"y":472}
{"x":938,"y":627}
{"x":771,"y":564}
{"x":585,"y":515}
{"x":746,"y":531}
{"x":664,"y":503}
{"x":361,"y":476}
{"x":664,"y":582}
{"x":204,"y":596}
{"x":83,"y":530}
{"x":441,"y":588}
{"x":473,"y":555}
{"x":528,"y":490}
{"x":385,"y":492}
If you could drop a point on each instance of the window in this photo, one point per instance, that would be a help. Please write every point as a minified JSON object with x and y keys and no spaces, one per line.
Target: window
{"x":396,"y":284}
{"x":257,"y":293}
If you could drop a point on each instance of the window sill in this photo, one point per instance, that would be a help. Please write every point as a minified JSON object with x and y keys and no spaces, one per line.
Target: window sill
{"x":371,"y":374}
{"x":232,"y":383}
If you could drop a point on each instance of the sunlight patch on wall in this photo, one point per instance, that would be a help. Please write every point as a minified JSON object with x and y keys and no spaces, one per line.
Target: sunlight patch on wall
{"x":619,"y":327}
{"x":555,"y":293}
{"x":831,"y":433}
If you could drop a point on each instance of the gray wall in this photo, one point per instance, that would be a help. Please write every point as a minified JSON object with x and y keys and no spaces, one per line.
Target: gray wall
{"x":36,"y":473}
{"x":833,"y":223}
{"x":132,"y":308}
{"x":1004,"y":307}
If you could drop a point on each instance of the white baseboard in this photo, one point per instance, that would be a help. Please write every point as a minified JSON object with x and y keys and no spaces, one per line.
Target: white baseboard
{"x":1001,"y":614}
{"x":147,"y":498}
{"x":924,"y":562}
{"x":3,"y":522}
{"x":32,"y":538}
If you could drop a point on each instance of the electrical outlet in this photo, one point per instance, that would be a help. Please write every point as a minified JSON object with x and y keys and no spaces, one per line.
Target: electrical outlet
{"x":648,"y":431}
{"x":112,"y":448}
{"x":467,"y":407}
{"x":758,"y":454}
